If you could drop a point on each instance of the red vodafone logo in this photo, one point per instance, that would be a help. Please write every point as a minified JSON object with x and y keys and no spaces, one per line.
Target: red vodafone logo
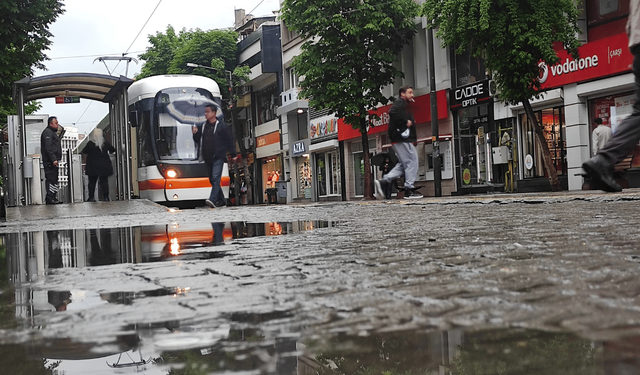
{"x":597,"y":59}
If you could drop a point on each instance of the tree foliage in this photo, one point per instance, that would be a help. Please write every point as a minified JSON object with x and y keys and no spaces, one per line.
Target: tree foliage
{"x":513,"y":37}
{"x":24,"y":38}
{"x":349,"y":54}
{"x":170,"y":52}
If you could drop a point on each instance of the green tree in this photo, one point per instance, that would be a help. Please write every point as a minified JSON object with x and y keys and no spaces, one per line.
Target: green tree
{"x":349,"y":55}
{"x":24,"y":36}
{"x":159,"y":56}
{"x":513,"y":37}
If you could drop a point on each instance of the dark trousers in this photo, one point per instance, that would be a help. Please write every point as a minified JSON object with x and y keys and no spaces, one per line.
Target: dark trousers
{"x":51,"y":183}
{"x":215,"y":175}
{"x":104,"y":186}
{"x":628,"y":132}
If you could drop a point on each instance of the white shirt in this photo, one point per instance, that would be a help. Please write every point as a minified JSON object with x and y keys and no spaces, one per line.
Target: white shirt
{"x":599,"y":138}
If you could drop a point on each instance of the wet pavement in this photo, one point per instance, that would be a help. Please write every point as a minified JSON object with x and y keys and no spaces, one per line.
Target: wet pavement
{"x":511,"y":284}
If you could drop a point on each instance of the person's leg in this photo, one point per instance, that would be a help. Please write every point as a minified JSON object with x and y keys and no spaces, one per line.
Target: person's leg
{"x":51,"y":183}
{"x":628,"y":132}
{"x":104,"y":185}
{"x":216,"y":175}
{"x":600,"y":167}
{"x":411,"y":166}
{"x":92,"y":187}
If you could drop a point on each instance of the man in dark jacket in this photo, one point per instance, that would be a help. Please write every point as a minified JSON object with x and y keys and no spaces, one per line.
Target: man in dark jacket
{"x":402,"y":134}
{"x":51,"y":150}
{"x":215,"y":140}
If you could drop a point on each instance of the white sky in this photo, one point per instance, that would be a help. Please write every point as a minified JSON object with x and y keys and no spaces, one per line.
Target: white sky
{"x":94,"y":28}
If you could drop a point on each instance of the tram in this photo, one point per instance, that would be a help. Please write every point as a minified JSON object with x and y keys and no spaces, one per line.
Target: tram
{"x":162,"y":112}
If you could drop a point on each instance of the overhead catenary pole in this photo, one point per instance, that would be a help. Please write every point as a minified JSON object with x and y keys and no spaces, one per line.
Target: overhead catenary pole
{"x":437,"y":173}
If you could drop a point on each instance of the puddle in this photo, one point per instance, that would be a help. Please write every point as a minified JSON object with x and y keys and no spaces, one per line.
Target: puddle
{"x":35,"y":253}
{"x":159,"y":350}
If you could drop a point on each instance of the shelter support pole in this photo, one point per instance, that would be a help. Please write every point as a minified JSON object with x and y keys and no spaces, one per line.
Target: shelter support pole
{"x":437,"y":173}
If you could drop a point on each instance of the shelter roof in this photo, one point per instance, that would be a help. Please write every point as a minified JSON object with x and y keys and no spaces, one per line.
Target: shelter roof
{"x":93,"y":86}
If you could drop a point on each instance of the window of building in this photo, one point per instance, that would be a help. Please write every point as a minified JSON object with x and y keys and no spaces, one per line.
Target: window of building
{"x":328,"y":173}
{"x":552,"y":122}
{"x":358,"y":164}
{"x":267,"y":104}
{"x":612,"y":110}
{"x":473,"y":127}
{"x":469,"y":69}
{"x":605,"y":18}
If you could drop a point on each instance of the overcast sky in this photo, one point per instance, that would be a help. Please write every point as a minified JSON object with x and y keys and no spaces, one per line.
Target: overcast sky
{"x":94,"y":28}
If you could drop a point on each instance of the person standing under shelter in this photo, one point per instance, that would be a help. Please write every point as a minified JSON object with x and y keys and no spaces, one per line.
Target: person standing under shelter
{"x":51,"y":149}
{"x":600,"y":167}
{"x":600,"y":135}
{"x":215,"y":140}
{"x":402,"y":133}
{"x":98,"y":163}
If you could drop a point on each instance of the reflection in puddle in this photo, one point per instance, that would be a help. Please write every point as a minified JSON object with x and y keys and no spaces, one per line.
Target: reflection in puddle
{"x":33,"y":253}
{"x":155,"y":350}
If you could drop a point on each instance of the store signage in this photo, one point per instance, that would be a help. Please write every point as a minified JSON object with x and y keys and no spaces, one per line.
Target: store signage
{"x":299,"y":148}
{"x":466,"y":176}
{"x":528,"y":161}
{"x":268,"y":139}
{"x":323,"y":127}
{"x":470,"y":95}
{"x":598,"y":59}
{"x":421,"y":111}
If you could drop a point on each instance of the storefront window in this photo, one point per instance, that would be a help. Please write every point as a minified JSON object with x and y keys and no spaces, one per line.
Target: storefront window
{"x":267,"y":104}
{"x":358,"y":164}
{"x":304,"y":177}
{"x":328,"y":173}
{"x":473,"y":125}
{"x":612,"y":110}
{"x":552,"y":123}
{"x":271,"y":172}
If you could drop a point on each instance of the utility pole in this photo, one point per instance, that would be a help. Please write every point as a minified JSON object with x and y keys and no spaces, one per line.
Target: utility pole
{"x":435,"y":136}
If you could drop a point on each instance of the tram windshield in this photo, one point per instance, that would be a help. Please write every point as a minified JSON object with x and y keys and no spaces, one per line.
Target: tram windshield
{"x":177,"y":110}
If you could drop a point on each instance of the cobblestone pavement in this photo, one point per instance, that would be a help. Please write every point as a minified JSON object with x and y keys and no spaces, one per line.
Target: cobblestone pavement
{"x":560,"y":262}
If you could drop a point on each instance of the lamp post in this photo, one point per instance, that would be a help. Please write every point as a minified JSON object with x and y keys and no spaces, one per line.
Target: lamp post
{"x":236,"y":185}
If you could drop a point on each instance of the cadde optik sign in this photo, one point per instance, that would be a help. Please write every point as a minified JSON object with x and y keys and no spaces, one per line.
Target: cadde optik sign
{"x":470,"y":95}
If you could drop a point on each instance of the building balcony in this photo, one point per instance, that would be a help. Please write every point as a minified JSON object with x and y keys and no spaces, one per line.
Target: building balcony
{"x":291,"y":102}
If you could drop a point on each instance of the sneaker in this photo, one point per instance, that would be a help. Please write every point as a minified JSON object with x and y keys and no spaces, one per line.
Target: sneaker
{"x":209,"y":203}
{"x":412,"y":194}
{"x":380,"y":187}
{"x":220,"y":204}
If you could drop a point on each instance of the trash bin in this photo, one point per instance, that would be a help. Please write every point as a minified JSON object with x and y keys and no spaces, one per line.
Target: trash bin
{"x":272,"y":195}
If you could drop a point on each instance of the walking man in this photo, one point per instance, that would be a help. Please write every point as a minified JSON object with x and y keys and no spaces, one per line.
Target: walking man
{"x":402,"y":133}
{"x":600,"y":135}
{"x":215,"y":140}
{"x":600,"y":167}
{"x":51,"y":150}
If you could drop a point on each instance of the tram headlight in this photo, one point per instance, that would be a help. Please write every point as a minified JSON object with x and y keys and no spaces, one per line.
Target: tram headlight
{"x":172,"y":173}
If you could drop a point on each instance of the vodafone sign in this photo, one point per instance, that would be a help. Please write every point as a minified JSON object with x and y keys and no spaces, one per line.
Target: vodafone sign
{"x":598,"y":59}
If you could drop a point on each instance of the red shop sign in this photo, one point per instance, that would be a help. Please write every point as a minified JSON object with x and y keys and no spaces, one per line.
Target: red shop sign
{"x":421,"y":111}
{"x":598,"y":59}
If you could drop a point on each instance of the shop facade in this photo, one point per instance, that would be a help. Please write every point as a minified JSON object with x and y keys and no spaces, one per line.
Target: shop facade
{"x":597,"y":85}
{"x":269,"y":165}
{"x":353,"y":150}
{"x":326,"y":159}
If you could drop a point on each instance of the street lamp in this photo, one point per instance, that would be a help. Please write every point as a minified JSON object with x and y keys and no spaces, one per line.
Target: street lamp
{"x":227,"y":72}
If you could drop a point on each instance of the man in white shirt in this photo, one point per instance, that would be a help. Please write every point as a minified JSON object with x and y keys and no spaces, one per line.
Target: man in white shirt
{"x":600,"y":135}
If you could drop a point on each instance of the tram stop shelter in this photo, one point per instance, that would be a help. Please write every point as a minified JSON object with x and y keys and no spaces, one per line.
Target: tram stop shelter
{"x":21,"y":167}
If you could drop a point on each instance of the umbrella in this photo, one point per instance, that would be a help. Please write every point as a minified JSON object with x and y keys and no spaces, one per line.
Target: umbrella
{"x":191,"y":110}
{"x":378,"y":159}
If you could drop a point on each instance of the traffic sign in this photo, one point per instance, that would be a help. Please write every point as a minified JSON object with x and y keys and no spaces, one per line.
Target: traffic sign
{"x":67,"y":99}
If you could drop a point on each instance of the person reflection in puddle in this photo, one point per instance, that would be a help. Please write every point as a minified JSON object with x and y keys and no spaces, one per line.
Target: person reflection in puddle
{"x":55,"y":253}
{"x":59,"y":300}
{"x":218,"y":228}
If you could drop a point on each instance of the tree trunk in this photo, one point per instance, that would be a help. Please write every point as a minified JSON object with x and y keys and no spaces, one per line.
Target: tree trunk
{"x":549,"y":166}
{"x":368,"y":182}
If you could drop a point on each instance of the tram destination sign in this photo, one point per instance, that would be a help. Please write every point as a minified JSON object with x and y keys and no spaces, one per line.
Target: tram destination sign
{"x":67,"y":99}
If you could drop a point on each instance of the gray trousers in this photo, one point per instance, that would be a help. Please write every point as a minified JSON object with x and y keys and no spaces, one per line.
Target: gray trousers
{"x":407,"y":164}
{"x":628,"y":133}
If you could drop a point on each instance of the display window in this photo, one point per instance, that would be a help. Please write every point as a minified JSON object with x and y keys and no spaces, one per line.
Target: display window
{"x":552,"y":122}
{"x":612,"y":110}
{"x":303,"y":172}
{"x":358,"y":164}
{"x":271,"y":172}
{"x":328,"y":173}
